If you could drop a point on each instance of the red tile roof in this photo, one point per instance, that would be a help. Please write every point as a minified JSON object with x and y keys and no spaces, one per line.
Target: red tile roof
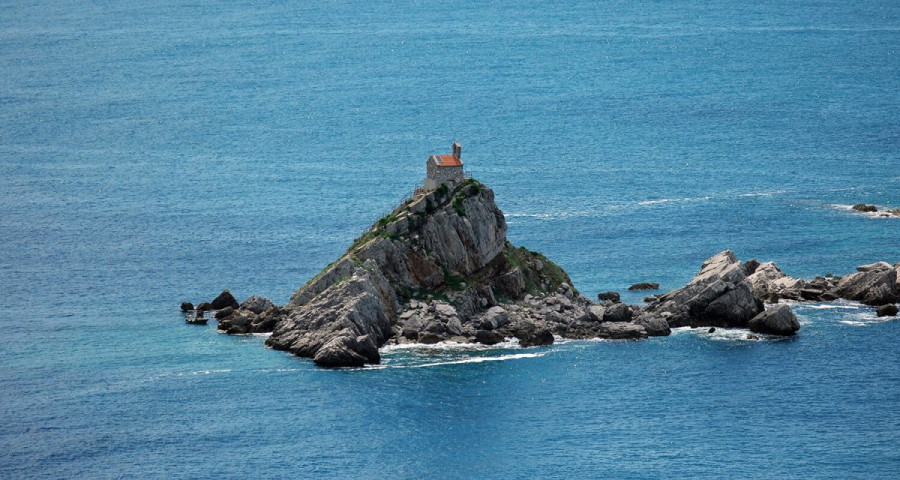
{"x":448,"y":161}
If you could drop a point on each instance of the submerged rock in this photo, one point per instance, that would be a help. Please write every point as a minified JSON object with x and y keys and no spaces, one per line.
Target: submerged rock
{"x":644,"y":286}
{"x":777,"y":320}
{"x":198,"y":320}
{"x":610,"y":296}
{"x":862,"y":207}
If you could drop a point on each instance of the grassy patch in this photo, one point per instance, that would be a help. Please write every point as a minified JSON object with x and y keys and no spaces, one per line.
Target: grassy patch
{"x":384,"y":221}
{"x":455,"y":282}
{"x":552,"y":273}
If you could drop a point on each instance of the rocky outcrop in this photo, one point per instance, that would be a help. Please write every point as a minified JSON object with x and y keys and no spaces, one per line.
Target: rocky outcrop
{"x":225,"y":299}
{"x":889,"y":310}
{"x":187,"y":306}
{"x":770,"y":284}
{"x":720,"y":295}
{"x":256,"y":304}
{"x":437,"y":268}
{"x":874,"y":284}
{"x":617,"y":312}
{"x":345,"y":324}
{"x":777,"y":320}
{"x":724,"y":295}
{"x":862,"y":207}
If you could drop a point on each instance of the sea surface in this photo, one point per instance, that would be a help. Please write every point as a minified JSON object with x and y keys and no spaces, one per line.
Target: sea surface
{"x":154,"y":152}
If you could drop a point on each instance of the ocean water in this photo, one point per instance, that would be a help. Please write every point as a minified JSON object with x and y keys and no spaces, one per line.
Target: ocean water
{"x":156,"y":153}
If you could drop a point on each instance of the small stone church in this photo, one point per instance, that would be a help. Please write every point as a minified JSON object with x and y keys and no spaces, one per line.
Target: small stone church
{"x":442,"y":169}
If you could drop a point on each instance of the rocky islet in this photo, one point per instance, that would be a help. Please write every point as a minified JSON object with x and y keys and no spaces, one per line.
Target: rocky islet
{"x":439,"y":268}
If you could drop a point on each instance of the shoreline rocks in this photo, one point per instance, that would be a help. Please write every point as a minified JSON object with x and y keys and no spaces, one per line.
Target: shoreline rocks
{"x":777,"y":320}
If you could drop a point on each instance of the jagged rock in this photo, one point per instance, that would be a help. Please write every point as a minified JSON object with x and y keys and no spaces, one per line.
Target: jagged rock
{"x":494,"y":318}
{"x":536,"y":338}
{"x":266,"y":321}
{"x":655,"y":326}
{"x":224,"y":313}
{"x":444,"y":310}
{"x":720,"y":295}
{"x":873,"y":284}
{"x":225,"y":299}
{"x":511,"y":283}
{"x":750,"y":266}
{"x":618,"y":312}
{"x":187,"y":306}
{"x":204,"y":307}
{"x":597,"y":312}
{"x":238,"y":322}
{"x":611,"y":296}
{"x":621,"y":331}
{"x":777,"y":320}
{"x":889,"y":310}
{"x":346,"y":351}
{"x":256,"y":304}
{"x":488,"y":337}
{"x":347,"y":322}
{"x":862,"y":207}
{"x":769,"y":283}
{"x":644,"y":286}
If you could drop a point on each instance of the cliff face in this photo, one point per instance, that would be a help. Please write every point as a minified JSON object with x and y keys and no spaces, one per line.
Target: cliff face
{"x":446,"y":246}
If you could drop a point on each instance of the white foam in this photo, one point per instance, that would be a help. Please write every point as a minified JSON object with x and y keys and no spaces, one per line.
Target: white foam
{"x":208,"y":372}
{"x":667,"y":200}
{"x":449,"y":346}
{"x":500,"y":358}
{"x":831,"y":306}
{"x":725,"y":334}
{"x":763,"y":194}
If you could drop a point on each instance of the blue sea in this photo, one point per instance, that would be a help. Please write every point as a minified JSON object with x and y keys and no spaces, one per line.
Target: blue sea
{"x":154,"y":152}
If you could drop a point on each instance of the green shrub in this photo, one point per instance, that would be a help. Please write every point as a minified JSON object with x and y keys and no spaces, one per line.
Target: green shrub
{"x":458,"y":206}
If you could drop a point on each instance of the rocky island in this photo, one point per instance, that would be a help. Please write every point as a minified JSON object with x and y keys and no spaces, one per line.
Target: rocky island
{"x":440,"y":268}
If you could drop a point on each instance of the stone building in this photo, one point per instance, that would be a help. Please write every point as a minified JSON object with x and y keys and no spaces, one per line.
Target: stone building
{"x":442,"y":169}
